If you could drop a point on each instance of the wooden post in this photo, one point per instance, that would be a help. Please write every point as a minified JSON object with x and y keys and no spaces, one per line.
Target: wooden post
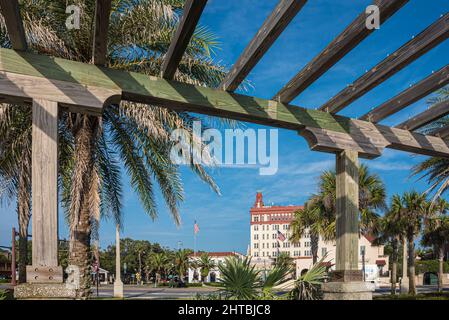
{"x":44,"y":267}
{"x":347,"y":192}
{"x":347,"y":280}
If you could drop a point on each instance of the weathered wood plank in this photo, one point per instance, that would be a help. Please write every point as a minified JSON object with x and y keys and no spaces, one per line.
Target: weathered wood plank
{"x":11,"y":13}
{"x":435,"y":112}
{"x":355,"y":33}
{"x":412,"y":50}
{"x":347,"y":211}
{"x":192,"y":13}
{"x":441,"y":132}
{"x":45,"y":183}
{"x":271,"y":29}
{"x":415,"y":93}
{"x":75,"y":97}
{"x":100,"y":46}
{"x":334,"y":133}
{"x":47,"y":274}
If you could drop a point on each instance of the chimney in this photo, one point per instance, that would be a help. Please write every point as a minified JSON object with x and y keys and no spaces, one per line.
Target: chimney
{"x":259,"y":200}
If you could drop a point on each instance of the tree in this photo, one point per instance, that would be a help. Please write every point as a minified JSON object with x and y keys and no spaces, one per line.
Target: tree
{"x":137,"y":135}
{"x":157,"y":263}
{"x":319,"y":215}
{"x":205,"y":263}
{"x":182,"y":263}
{"x":304,"y":220}
{"x":436,"y":234}
{"x":435,"y":170}
{"x":409,"y":211}
{"x":390,"y":232}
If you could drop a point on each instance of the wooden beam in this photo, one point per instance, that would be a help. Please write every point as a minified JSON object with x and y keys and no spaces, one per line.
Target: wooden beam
{"x":45,"y":183}
{"x":435,"y":112}
{"x":271,"y":29}
{"x":14,"y":25}
{"x":415,"y":93}
{"x":347,"y":212}
{"x":355,"y":33}
{"x":441,"y":132}
{"x":100,"y":46}
{"x":192,"y":13}
{"x":328,"y":132}
{"x":412,"y":50}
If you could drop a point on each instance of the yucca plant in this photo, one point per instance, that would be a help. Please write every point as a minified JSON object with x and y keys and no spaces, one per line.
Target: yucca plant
{"x":308,"y":285}
{"x":241,"y":281}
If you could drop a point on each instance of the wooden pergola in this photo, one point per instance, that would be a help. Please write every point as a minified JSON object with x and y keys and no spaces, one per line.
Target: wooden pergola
{"x":49,"y":83}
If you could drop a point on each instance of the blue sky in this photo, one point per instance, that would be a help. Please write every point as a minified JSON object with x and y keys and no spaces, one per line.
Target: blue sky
{"x":224,"y":220}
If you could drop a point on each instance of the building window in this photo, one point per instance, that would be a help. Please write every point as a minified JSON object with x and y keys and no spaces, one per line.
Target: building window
{"x":297,"y":244}
{"x":256,"y":228}
{"x":362,"y":250}
{"x":307,"y":253}
{"x":256,"y":237}
{"x":256,"y":246}
{"x":256,"y":254}
{"x":323,"y":251}
{"x":256,"y":219}
{"x":307,"y":244}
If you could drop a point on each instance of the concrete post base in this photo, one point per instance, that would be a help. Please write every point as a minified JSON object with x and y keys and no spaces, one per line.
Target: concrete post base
{"x":347,"y":291}
{"x":404,"y":285}
{"x":44,"y":291}
{"x":118,"y":289}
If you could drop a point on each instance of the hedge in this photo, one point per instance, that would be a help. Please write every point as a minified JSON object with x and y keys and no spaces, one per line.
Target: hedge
{"x":424,"y":266}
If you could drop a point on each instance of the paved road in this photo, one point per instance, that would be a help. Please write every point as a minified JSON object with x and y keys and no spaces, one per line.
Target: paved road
{"x":146,"y":292}
{"x":150,"y":293}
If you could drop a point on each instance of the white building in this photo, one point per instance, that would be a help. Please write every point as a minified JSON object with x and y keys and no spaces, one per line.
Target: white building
{"x":270,"y":231}
{"x":214,"y":274}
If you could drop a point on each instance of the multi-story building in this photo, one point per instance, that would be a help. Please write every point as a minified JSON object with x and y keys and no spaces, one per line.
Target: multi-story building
{"x":270,"y":233}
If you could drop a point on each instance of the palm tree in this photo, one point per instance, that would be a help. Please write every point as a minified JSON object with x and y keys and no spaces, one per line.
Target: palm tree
{"x":409,"y":212}
{"x":308,"y":285}
{"x":389,"y":231}
{"x":137,"y":135}
{"x":435,"y":170}
{"x":205,"y":263}
{"x":182,"y":263}
{"x":157,"y":263}
{"x":306,"y":220}
{"x":15,"y":172}
{"x":319,"y":215}
{"x":436,"y":234}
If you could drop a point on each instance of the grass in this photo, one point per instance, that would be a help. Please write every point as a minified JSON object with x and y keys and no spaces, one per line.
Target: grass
{"x":423,"y":296}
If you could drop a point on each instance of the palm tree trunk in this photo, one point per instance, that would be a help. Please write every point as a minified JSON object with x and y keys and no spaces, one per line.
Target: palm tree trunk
{"x":394,"y":266}
{"x":440,"y":268}
{"x":24,"y":214}
{"x":81,"y":207}
{"x":411,"y":265}
{"x":314,"y":239}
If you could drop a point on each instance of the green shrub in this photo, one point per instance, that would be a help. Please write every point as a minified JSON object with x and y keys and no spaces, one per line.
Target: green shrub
{"x":424,"y":266}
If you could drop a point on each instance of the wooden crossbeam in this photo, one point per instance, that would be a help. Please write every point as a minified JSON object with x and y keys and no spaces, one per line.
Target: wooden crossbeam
{"x":441,"y":132}
{"x":355,"y":33}
{"x":100,"y":46}
{"x":324,"y":131}
{"x":14,"y":25}
{"x":412,"y":50}
{"x":192,"y":13}
{"x":435,"y":112}
{"x":271,"y":29}
{"x":415,"y":93}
